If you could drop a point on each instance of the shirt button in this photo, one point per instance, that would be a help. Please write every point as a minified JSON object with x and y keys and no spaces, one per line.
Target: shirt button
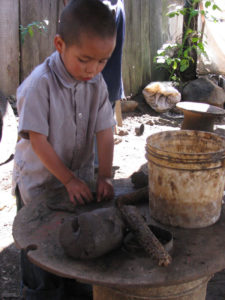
{"x":80,"y":115}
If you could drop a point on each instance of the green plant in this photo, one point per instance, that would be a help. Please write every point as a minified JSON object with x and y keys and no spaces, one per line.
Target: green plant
{"x":30,"y":29}
{"x":176,"y":58}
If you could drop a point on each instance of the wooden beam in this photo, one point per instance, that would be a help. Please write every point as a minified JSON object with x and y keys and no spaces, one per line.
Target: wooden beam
{"x":9,"y":46}
{"x":118,"y":113}
{"x":35,"y":49}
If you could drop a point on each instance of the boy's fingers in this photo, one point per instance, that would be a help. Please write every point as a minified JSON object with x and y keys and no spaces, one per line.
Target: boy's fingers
{"x":99,"y":198}
{"x":99,"y":195}
{"x":105,"y":194}
{"x":87,"y":195}
{"x":72,"y":199}
{"x":80,"y":200}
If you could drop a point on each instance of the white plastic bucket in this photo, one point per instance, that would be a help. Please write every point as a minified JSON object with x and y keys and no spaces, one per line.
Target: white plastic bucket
{"x":186,"y":177}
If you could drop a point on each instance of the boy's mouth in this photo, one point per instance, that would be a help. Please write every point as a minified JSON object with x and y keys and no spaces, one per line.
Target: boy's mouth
{"x":87,"y":78}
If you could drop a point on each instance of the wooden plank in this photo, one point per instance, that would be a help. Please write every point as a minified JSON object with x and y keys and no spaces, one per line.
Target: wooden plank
{"x":60,"y":8}
{"x":126,"y":59}
{"x":137,"y":60}
{"x":155,"y":33}
{"x":35,"y":49}
{"x":163,"y":30}
{"x":147,"y":28}
{"x":136,"y":66}
{"x":145,"y":43}
{"x":132,"y":68}
{"x":118,"y":113}
{"x":9,"y":47}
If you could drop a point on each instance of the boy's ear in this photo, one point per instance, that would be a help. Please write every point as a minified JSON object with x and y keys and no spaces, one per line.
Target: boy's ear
{"x":59,"y":43}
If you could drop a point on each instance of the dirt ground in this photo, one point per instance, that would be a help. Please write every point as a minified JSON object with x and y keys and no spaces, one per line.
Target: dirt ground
{"x":129,"y":157}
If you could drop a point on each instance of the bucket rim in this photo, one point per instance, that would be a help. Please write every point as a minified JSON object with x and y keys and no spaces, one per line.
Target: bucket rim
{"x":220,"y":154}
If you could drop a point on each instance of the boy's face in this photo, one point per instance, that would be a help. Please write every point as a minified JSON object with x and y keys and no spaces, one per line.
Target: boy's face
{"x":87,"y":58}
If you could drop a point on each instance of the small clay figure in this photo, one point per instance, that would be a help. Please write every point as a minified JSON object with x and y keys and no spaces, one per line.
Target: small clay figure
{"x":92,"y":234}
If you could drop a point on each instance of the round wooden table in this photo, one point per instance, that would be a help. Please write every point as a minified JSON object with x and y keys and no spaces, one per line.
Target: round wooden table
{"x":120,"y":275}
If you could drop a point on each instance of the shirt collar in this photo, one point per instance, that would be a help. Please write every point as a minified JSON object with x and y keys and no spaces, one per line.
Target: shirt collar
{"x":56,"y":64}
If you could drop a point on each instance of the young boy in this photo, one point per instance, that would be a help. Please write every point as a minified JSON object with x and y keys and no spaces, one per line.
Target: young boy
{"x":62,"y":105}
{"x":112,"y":72}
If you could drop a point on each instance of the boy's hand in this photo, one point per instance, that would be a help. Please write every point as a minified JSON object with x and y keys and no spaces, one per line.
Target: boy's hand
{"x":104,"y":189}
{"x":79,"y":190}
{"x":76,"y":188}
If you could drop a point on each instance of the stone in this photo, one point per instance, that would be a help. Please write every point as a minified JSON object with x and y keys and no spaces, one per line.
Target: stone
{"x":204,"y":90}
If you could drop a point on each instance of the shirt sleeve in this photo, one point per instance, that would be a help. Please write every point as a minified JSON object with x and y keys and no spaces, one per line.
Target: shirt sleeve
{"x":105,"y":117}
{"x":33,"y":107}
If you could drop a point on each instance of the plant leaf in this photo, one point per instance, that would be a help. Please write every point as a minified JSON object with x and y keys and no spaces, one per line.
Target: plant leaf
{"x":186,"y":52}
{"x":201,"y":46}
{"x":207,"y":4}
{"x":189,"y":30}
{"x":194,"y":12}
{"x":172,"y":14}
{"x":175,"y":78}
{"x":202,"y":12}
{"x":31,"y":32}
{"x":195,"y":39}
{"x":169,"y":61}
{"x":183,"y":11}
{"x":184,"y":66}
{"x":183,"y":62}
{"x":216,"y":7}
{"x":175,"y":65}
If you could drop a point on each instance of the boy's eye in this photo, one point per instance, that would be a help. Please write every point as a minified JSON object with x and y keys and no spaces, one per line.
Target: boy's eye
{"x":82,"y":60}
{"x":85,"y":61}
{"x":103,"y":61}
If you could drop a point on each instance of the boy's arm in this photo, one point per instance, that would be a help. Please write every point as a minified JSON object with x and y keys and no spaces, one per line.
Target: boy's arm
{"x":105,"y":145}
{"x":43,"y":149}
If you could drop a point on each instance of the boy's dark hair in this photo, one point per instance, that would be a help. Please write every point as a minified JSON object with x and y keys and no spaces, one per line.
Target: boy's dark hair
{"x":91,"y":16}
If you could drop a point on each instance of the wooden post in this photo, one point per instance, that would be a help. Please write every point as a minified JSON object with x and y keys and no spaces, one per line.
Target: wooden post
{"x":9,"y":46}
{"x":35,"y":49}
{"x":118,"y":113}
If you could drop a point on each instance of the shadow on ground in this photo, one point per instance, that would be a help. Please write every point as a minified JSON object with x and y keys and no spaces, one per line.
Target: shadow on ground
{"x":10,"y":273}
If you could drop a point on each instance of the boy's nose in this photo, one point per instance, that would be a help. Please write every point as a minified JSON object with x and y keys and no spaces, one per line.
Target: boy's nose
{"x":92,"y":68}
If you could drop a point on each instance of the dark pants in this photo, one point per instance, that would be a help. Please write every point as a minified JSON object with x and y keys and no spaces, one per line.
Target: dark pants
{"x":38,"y":284}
